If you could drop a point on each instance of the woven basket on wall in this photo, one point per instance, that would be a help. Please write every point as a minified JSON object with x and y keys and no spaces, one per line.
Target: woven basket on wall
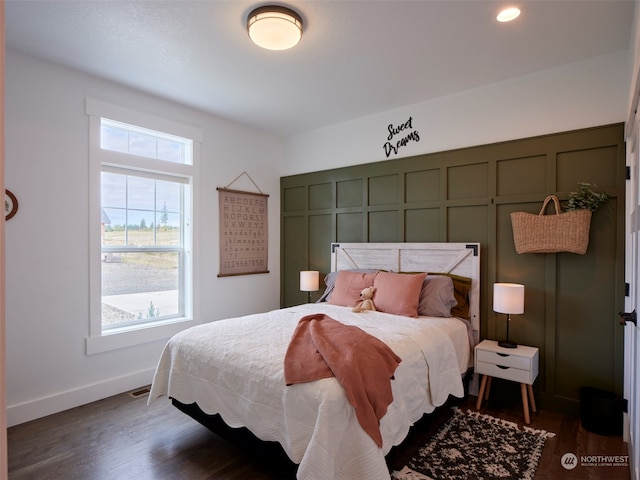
{"x":562,"y":232}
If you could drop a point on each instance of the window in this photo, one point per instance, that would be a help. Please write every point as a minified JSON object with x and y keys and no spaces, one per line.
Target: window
{"x":120,"y":137}
{"x":142,"y":278}
{"x":142,"y":248}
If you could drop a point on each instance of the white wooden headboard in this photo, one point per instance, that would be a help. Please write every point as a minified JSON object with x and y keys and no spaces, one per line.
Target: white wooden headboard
{"x":457,"y":258}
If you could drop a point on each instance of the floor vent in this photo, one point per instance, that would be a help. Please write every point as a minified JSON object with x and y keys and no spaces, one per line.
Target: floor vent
{"x":141,"y":392}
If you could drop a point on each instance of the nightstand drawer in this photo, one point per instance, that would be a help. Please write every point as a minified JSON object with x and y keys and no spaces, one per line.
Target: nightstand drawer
{"x":515,"y":361}
{"x":508,"y":373}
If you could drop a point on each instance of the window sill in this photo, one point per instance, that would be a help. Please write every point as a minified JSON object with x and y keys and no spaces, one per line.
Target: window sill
{"x":131,"y":336}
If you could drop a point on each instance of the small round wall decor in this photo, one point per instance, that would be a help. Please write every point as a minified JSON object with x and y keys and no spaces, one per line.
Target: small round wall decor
{"x":10,"y":205}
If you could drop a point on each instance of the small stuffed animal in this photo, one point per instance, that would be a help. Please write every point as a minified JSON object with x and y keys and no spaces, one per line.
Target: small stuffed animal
{"x":367,"y":300}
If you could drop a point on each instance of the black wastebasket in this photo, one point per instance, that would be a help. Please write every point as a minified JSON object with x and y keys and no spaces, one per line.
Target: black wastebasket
{"x":600,"y":411}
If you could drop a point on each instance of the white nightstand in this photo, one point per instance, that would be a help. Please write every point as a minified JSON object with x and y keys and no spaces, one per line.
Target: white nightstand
{"x":516,"y":364}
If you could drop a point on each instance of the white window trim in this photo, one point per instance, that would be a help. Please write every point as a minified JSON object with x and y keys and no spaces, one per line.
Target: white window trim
{"x":116,"y":338}
{"x":97,"y":108}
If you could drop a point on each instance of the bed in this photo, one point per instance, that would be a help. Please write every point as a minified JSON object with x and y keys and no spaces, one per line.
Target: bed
{"x":234,"y":368}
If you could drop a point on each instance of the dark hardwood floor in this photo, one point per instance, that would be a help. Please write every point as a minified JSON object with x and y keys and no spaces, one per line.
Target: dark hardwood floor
{"x":123,"y":438}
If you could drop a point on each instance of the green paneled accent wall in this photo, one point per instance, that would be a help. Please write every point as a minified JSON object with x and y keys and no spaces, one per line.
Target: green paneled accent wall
{"x":294,"y":241}
{"x":422,"y":186}
{"x":320,"y":196}
{"x":349,"y":193}
{"x":422,"y":225}
{"x":467,"y":195}
{"x":384,"y":190}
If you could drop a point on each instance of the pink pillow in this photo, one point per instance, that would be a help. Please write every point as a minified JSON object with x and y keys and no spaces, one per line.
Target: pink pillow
{"x":346,"y":291}
{"x":398,"y":293}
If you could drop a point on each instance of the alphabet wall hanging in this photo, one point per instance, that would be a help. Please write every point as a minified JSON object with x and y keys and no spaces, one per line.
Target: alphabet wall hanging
{"x":244,"y":239}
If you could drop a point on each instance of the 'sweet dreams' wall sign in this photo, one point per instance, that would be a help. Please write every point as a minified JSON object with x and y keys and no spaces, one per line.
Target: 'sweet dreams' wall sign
{"x":407,"y":134}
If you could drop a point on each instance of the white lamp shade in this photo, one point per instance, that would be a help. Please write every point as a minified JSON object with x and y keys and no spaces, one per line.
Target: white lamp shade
{"x":309,"y":281}
{"x":274,"y":27}
{"x":508,"y":298}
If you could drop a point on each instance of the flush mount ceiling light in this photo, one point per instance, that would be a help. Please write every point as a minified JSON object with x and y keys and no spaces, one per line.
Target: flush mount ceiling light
{"x":274,"y":27}
{"x":508,"y":14}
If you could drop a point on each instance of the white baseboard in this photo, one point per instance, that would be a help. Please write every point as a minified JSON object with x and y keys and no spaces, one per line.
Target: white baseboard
{"x":58,"y":402}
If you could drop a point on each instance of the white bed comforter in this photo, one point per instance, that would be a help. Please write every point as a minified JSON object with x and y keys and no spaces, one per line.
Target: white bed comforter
{"x":235,"y":367}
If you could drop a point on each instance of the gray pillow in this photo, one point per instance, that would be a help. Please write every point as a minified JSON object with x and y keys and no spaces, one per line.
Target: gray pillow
{"x":437,"y":296}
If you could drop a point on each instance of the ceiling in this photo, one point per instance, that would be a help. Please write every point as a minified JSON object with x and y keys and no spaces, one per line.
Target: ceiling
{"x":356,"y":58}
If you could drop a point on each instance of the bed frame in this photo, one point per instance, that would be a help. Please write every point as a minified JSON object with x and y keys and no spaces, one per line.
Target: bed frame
{"x":455,"y":258}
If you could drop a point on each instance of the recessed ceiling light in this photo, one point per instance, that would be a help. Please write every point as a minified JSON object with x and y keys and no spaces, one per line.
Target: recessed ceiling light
{"x":274,"y":27}
{"x":508,"y":14}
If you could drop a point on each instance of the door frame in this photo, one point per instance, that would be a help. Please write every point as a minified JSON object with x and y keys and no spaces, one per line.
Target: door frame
{"x":631,"y":418}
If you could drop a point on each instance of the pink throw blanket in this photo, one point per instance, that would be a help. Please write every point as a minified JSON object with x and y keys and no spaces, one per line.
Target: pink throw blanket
{"x":322,"y":347}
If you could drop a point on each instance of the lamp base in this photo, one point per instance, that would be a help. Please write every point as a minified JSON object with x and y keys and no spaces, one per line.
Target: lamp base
{"x":507,"y":344}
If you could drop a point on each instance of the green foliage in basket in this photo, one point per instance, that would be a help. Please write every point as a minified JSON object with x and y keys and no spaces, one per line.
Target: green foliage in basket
{"x":586,"y":198}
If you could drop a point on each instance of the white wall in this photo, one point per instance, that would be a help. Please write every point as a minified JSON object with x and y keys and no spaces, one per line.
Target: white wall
{"x":47,"y":241}
{"x":585,"y":94}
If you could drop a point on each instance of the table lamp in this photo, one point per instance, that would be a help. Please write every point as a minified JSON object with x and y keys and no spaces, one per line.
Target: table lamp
{"x":508,"y":298}
{"x":309,"y":282}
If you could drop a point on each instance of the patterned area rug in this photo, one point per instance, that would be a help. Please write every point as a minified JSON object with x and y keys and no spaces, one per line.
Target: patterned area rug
{"x":473,"y":445}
